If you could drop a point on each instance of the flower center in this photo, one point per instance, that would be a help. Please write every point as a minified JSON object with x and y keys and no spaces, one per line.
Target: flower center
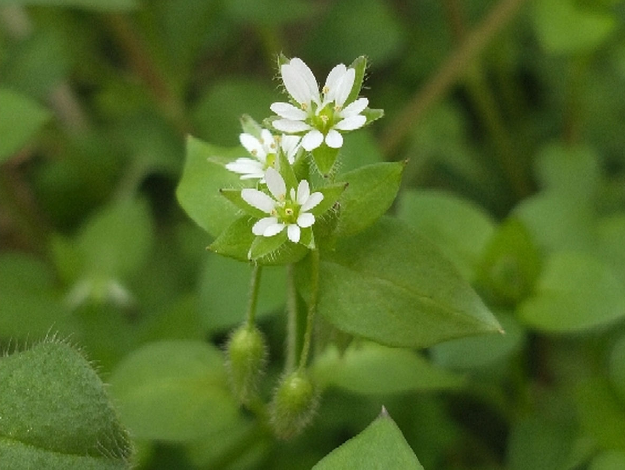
{"x":270,"y":161}
{"x":324,"y":119}
{"x":288,"y":212}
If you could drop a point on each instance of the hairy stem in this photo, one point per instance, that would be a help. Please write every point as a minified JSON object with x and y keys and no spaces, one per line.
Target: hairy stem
{"x":291,"y":321}
{"x":253,"y":298}
{"x":312,"y":308}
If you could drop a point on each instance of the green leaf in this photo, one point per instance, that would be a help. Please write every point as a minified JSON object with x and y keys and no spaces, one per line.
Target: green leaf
{"x":371,"y":191}
{"x":610,"y":234}
{"x":539,"y":444}
{"x":608,"y":460}
{"x":380,"y":445}
{"x":331,"y":194}
{"x":458,"y":227}
{"x":234,"y":196}
{"x":324,"y":158}
{"x":558,"y":222}
{"x":117,"y":240}
{"x":617,"y":367}
{"x":198,"y":190}
{"x":359,"y":148}
{"x":250,"y":126}
{"x":20,"y":119}
{"x":104,"y":5}
{"x":601,"y":414}
{"x":570,"y":171}
{"x":29,"y":303}
{"x":390,"y":284}
{"x":575,"y":292}
{"x":40,"y":61}
{"x":372,"y":115}
{"x":56,"y":413}
{"x":236,"y":240}
{"x":511,"y":263}
{"x":360,"y":67}
{"x":555,"y":20}
{"x":479,"y":351}
{"x":264,"y":246}
{"x":174,"y":391}
{"x":370,"y":368}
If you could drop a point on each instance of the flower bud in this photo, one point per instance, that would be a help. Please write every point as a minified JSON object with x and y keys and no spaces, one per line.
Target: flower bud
{"x":293,"y":406}
{"x":246,"y":358}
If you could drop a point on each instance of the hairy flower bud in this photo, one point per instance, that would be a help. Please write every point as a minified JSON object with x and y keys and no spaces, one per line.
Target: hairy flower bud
{"x":246,"y":359}
{"x":293,"y":405}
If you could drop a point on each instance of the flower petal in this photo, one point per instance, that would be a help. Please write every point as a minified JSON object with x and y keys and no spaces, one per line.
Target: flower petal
{"x":259,"y":200}
{"x":332,"y":82}
{"x":354,"y":108}
{"x":293,"y":232}
{"x":303,"y":192}
{"x":351,"y":123}
{"x":312,"y":201}
{"x":345,"y":87}
{"x":274,"y":229}
{"x":334,"y":139}
{"x":275,"y":184}
{"x":247,"y":167}
{"x":262,"y":225}
{"x":312,"y":140}
{"x":268,"y":141}
{"x":305,"y":219}
{"x":290,"y":146}
{"x":253,"y":146}
{"x":300,"y":81}
{"x":290,"y":126}
{"x":288,"y":111}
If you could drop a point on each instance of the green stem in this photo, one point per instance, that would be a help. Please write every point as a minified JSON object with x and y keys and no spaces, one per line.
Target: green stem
{"x":253,"y":300}
{"x":312,"y":308}
{"x":291,"y":322}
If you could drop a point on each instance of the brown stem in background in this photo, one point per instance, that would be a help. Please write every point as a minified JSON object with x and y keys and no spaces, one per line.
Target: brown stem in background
{"x":22,"y":223}
{"x":455,"y":65}
{"x":488,"y":109}
{"x":143,"y":65}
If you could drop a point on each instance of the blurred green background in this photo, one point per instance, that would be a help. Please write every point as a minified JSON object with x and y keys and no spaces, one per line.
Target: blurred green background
{"x":511,"y":115}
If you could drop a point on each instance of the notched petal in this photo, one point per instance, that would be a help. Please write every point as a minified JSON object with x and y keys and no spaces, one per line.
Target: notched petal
{"x":312,"y":140}
{"x":305,"y":219}
{"x":275,"y":183}
{"x":312,"y":201}
{"x":334,"y":139}
{"x":258,"y":199}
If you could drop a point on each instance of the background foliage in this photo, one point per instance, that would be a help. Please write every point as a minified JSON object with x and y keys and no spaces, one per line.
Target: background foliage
{"x":510,"y":114}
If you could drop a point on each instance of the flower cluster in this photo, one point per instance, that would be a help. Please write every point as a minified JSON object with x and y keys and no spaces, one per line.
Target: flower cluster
{"x":320,"y":116}
{"x":313,"y":119}
{"x":264,"y":149}
{"x":286,"y":210}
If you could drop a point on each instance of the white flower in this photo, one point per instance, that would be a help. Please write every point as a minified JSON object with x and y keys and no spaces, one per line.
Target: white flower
{"x":264,"y":151}
{"x":321,"y":115}
{"x":288,"y":211}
